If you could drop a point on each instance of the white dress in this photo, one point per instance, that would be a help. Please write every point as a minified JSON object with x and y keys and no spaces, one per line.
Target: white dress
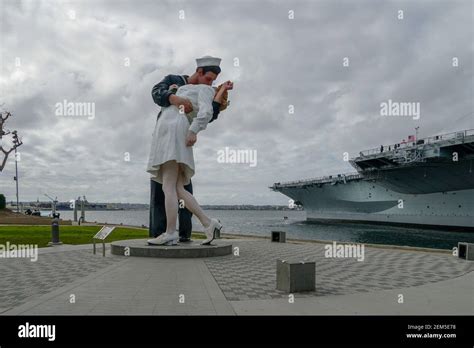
{"x":169,"y":136}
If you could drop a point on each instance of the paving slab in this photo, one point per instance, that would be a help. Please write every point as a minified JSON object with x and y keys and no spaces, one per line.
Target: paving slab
{"x":243,"y":283}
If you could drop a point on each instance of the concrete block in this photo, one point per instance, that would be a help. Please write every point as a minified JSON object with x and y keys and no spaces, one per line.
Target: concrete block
{"x":466,"y":251}
{"x":295,"y":276}
{"x":279,"y":236}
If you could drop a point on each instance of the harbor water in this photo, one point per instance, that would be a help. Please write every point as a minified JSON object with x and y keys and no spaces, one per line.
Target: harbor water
{"x":262,"y":222}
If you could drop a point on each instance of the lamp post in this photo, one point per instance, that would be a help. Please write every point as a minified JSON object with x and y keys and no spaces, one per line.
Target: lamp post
{"x":15,"y":141}
{"x":16,"y":180}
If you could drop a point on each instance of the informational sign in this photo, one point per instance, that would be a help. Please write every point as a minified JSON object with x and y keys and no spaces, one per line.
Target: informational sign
{"x":101,"y":235}
{"x":104,"y":232}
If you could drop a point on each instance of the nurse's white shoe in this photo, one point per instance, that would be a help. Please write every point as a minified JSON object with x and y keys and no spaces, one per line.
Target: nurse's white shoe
{"x":165,"y":239}
{"x":214,"y":226}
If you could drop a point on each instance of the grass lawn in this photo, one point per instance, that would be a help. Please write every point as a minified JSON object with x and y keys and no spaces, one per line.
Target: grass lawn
{"x":41,"y":235}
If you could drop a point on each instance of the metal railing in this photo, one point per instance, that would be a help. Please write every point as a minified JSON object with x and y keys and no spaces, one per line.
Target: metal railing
{"x":320,"y":180}
{"x":417,"y":142}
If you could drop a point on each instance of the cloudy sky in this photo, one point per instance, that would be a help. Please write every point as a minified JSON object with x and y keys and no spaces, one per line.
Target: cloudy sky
{"x":278,"y":53}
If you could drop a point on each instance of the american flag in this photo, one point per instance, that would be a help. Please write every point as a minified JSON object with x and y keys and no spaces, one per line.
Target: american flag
{"x":411,"y":138}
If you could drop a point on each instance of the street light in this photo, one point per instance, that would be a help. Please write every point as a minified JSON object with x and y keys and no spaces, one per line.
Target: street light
{"x":15,"y":144}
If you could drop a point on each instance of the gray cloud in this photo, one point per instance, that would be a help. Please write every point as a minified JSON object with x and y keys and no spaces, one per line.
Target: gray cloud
{"x":281,"y":62}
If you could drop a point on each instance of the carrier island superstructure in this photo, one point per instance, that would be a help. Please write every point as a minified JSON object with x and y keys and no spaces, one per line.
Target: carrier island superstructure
{"x":426,"y":182}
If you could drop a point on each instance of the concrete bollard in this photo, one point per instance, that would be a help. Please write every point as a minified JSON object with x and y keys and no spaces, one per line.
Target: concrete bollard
{"x":279,"y":236}
{"x":55,"y":232}
{"x":466,"y":251}
{"x":296,"y":276}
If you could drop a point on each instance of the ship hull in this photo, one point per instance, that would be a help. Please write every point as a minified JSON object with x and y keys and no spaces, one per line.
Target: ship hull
{"x":368,"y":201}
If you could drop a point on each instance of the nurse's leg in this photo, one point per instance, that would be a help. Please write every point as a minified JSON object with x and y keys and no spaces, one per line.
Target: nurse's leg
{"x":190,"y":202}
{"x":170,"y":177}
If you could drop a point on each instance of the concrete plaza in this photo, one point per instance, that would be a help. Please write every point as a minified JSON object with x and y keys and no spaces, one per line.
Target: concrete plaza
{"x":71,"y":280}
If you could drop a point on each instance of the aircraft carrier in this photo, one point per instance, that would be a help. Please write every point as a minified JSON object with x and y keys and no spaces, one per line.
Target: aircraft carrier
{"x":423,"y":182}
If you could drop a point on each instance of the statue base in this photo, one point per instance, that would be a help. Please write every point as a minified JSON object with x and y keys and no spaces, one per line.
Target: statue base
{"x":140,"y":247}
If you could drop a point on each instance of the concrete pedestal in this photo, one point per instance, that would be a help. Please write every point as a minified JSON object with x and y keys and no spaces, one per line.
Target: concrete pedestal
{"x":295,"y":276}
{"x":140,"y":247}
{"x":466,"y":251}
{"x":279,"y":236}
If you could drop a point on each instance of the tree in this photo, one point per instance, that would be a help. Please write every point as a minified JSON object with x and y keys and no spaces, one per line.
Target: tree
{"x":15,"y":140}
{"x":3,"y":202}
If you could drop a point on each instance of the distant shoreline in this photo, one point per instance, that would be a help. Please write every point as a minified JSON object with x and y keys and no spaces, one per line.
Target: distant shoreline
{"x":205,"y":207}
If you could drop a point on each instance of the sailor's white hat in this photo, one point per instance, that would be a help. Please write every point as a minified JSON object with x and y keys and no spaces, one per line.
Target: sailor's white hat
{"x":208,"y":61}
